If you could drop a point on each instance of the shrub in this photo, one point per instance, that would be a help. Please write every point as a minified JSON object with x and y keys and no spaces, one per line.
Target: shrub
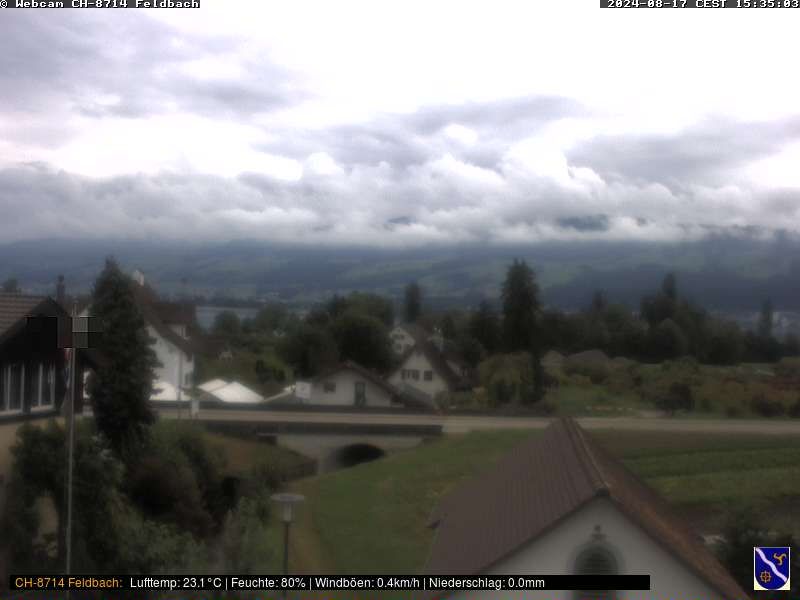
{"x":788,"y":367}
{"x":794,"y":409}
{"x":184,"y":445}
{"x":597,"y":372}
{"x":544,"y":408}
{"x":169,"y":492}
{"x":705,"y":404}
{"x":678,"y":397}
{"x":765,"y":406}
{"x":741,"y":532}
{"x":734,"y":410}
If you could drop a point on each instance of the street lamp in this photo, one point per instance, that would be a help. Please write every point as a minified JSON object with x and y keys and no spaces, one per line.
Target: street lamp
{"x":286,"y":502}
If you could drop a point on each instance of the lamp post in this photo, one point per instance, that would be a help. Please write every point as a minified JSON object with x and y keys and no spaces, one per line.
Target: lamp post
{"x":286,"y":503}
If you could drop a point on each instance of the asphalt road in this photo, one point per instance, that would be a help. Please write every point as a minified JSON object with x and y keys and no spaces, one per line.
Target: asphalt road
{"x":464,"y":423}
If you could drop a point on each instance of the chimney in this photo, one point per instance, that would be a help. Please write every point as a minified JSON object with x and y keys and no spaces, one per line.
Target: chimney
{"x":61,"y":295}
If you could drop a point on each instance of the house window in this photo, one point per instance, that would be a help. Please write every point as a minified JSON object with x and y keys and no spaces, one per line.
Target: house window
{"x":428,"y":375}
{"x":596,"y":560}
{"x":42,"y":386}
{"x":14,"y":387}
{"x":329,"y":387}
{"x":415,"y":374}
{"x":32,"y":385}
{"x":48,"y":384}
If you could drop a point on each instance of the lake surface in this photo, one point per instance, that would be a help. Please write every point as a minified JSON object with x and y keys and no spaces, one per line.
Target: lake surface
{"x":207,"y":314}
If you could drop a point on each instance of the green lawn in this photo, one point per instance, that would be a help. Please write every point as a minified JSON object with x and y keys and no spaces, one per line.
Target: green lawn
{"x":372,"y":518}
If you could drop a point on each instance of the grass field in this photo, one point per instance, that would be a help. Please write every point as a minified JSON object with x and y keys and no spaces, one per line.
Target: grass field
{"x":372,"y":518}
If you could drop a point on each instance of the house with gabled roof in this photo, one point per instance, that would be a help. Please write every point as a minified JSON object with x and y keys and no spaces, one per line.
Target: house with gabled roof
{"x":559,"y":504}
{"x":350,"y":384}
{"x":429,"y":370}
{"x":34,"y":333}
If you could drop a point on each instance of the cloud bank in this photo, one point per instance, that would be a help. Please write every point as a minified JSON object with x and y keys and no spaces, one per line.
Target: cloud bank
{"x":137,"y":128}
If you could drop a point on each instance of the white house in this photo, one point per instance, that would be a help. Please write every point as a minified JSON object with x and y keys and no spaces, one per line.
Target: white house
{"x":559,"y":505}
{"x":426,"y":369}
{"x":350,"y":384}
{"x":168,"y":325}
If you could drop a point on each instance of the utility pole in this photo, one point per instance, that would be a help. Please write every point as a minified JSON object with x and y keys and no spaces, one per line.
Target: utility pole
{"x":178,"y":388}
{"x":71,"y":441}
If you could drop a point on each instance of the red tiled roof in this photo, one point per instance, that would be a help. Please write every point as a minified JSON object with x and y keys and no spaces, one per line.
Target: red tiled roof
{"x":540,"y":483}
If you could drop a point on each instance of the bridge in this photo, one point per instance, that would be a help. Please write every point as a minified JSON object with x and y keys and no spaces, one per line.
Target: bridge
{"x":343,"y":437}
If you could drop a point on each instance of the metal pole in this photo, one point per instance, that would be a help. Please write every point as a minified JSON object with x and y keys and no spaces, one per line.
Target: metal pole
{"x":179,"y":395}
{"x":71,"y":447}
{"x":285,"y":553}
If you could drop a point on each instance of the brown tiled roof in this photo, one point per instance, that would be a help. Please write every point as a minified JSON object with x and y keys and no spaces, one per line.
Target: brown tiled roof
{"x":14,"y":307}
{"x":540,"y":483}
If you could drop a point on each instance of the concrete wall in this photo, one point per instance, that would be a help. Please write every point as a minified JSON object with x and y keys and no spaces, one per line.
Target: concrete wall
{"x":344,"y":394}
{"x":419,"y":362}
{"x":636,"y":553}
{"x":169,"y":357}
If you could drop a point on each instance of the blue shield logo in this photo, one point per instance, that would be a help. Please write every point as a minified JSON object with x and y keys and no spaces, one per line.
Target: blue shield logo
{"x":772,"y":568}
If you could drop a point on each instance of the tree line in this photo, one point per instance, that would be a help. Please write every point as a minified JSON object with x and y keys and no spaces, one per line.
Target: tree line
{"x":667,"y":326}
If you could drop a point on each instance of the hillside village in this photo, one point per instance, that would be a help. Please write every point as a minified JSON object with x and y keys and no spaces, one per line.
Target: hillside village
{"x":367,"y":301}
{"x":350,"y":355}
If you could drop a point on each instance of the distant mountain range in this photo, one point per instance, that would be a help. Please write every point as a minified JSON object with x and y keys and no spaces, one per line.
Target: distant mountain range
{"x":723,"y":273}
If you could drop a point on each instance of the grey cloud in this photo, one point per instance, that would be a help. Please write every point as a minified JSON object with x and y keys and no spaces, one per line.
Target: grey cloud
{"x":375,"y":206}
{"x":404,"y":140}
{"x":707,"y":152}
{"x":515,"y":117}
{"x":51,"y":64}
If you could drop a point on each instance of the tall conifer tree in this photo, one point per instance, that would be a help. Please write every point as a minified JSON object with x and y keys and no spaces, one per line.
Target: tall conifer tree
{"x":121,"y":389}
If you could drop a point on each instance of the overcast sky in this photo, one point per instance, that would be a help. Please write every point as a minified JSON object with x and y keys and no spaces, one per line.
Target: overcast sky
{"x":398,"y":123}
